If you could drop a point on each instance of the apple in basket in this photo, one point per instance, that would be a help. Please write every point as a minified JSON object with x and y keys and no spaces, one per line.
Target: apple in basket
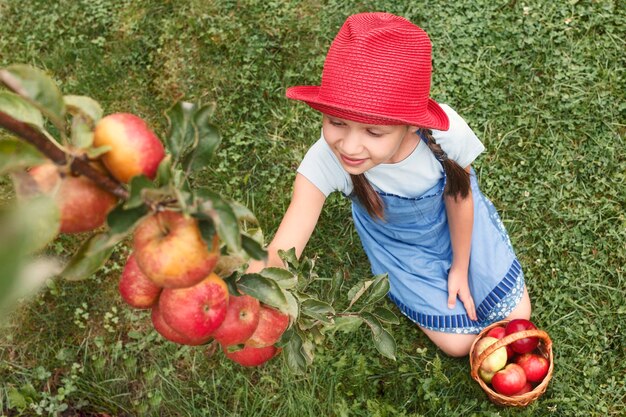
{"x":535,"y":366}
{"x":510,"y":380}
{"x":527,"y":344}
{"x":499,"y":332}
{"x":492,"y":363}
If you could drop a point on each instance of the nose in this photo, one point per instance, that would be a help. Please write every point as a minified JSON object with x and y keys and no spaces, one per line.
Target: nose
{"x":351,"y":144}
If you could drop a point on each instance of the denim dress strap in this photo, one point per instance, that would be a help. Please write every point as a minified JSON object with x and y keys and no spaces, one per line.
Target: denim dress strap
{"x":412,"y":245}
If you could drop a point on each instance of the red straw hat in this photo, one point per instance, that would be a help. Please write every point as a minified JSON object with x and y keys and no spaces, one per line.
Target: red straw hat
{"x":377,"y":71}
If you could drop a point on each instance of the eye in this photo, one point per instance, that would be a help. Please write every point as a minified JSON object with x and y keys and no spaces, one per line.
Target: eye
{"x":336,"y":122}
{"x":373,"y":133}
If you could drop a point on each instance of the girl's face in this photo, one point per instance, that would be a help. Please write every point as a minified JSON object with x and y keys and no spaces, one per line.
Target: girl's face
{"x":360,"y":147}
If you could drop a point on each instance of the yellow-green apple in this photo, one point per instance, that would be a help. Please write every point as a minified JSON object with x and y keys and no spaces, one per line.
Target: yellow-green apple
{"x":535,"y":366}
{"x":170,"y":334}
{"x":526,"y":344}
{"x":252,"y":356}
{"x":83,"y":205}
{"x":135,"y":149}
{"x":170,"y":250}
{"x":272,"y":325}
{"x":197,"y":311}
{"x":492,"y":363}
{"x":136,"y":289}
{"x":242,"y":318}
{"x":498,"y":332}
{"x":510,"y":380}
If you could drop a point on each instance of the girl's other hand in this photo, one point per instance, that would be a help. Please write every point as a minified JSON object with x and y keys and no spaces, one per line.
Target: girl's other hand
{"x":458,"y":287}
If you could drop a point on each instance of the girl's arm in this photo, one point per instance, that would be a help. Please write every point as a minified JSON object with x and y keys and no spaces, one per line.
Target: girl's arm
{"x":297,"y":225}
{"x":460,"y":212}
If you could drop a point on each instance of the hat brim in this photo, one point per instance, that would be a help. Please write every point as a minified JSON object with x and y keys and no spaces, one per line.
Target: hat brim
{"x":433,"y":118}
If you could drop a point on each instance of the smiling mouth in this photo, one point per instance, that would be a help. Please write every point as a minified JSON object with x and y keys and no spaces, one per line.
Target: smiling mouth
{"x":351,"y":161}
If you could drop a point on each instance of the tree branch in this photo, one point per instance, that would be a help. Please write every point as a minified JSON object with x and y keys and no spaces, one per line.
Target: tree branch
{"x":49,"y":149}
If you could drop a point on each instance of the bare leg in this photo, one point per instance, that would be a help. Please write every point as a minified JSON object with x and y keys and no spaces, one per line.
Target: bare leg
{"x":458,"y":345}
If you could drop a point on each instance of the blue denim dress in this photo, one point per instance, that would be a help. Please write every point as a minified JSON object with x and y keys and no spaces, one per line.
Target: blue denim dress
{"x":412,"y":245}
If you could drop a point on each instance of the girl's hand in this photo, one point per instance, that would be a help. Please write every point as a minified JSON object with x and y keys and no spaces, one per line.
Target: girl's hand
{"x":458,"y":286}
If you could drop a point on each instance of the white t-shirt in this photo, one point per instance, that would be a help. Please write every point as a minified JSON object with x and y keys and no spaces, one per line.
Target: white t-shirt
{"x":411,"y":177}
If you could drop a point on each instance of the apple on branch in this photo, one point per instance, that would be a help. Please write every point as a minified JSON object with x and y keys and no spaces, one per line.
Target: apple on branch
{"x":251,"y":356}
{"x":135,"y":149}
{"x":170,"y":334}
{"x":242,"y":319}
{"x":83,"y":205}
{"x":170,"y":250}
{"x":136,"y":289}
{"x":272,"y":325}
{"x":197,"y":311}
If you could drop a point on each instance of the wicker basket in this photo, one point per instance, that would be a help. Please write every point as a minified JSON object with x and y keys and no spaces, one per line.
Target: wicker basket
{"x":544,"y":348}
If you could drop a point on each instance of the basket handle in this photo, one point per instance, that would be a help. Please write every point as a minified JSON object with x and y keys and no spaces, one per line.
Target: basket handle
{"x":506,"y":340}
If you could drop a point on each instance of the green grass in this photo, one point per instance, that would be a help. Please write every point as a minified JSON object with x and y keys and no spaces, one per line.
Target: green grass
{"x":542,"y":84}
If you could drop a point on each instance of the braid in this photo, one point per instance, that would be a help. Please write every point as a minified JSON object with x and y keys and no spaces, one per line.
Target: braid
{"x":367,"y":196}
{"x":458,"y":180}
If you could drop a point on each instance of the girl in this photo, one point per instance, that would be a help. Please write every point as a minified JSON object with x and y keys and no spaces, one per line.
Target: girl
{"x":404,"y":161}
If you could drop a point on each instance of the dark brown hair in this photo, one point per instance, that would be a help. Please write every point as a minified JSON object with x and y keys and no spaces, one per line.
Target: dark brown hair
{"x":457,"y":180}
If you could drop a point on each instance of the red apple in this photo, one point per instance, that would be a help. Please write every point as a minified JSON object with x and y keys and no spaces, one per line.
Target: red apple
{"x":527,"y":388}
{"x":251,"y":356}
{"x":197,"y":311}
{"x":272,"y":325}
{"x":492,"y":363}
{"x":170,"y":250}
{"x":170,"y":334}
{"x":135,"y":149}
{"x":535,"y":366}
{"x":527,"y":344}
{"x":510,"y":380}
{"x":242,"y":318}
{"x":499,"y":332}
{"x":136,"y":289}
{"x":84,"y":206}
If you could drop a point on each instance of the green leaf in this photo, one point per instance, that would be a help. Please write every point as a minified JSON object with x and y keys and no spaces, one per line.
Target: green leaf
{"x":207,"y":230}
{"x":358,"y":290}
{"x":17,"y":155}
{"x":34,"y":85}
{"x":87,"y":260}
{"x":164,"y":171}
{"x":378,"y":290}
{"x":265,"y":290}
{"x":137,"y":184}
{"x":383,"y":341}
{"x":82,"y":132}
{"x":386,"y":315}
{"x":294,"y":352}
{"x":20,"y":109}
{"x":84,"y":105}
{"x":253,"y":248}
{"x":283,"y":278}
{"x":208,"y":139}
{"x":182,"y":132}
{"x":12,"y":257}
{"x":121,"y":224}
{"x":39,"y":218}
{"x":386,"y":345}
{"x":16,"y":400}
{"x":231,"y":283}
{"x":347,"y":324}
{"x":223,"y":216}
{"x":289,"y":256}
{"x":318,"y":310}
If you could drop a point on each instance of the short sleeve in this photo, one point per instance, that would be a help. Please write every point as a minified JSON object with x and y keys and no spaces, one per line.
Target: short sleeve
{"x":321,"y":167}
{"x":459,"y":142}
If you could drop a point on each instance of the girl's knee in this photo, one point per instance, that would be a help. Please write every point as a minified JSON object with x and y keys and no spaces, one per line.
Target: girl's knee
{"x":455,"y":345}
{"x":523,"y":309}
